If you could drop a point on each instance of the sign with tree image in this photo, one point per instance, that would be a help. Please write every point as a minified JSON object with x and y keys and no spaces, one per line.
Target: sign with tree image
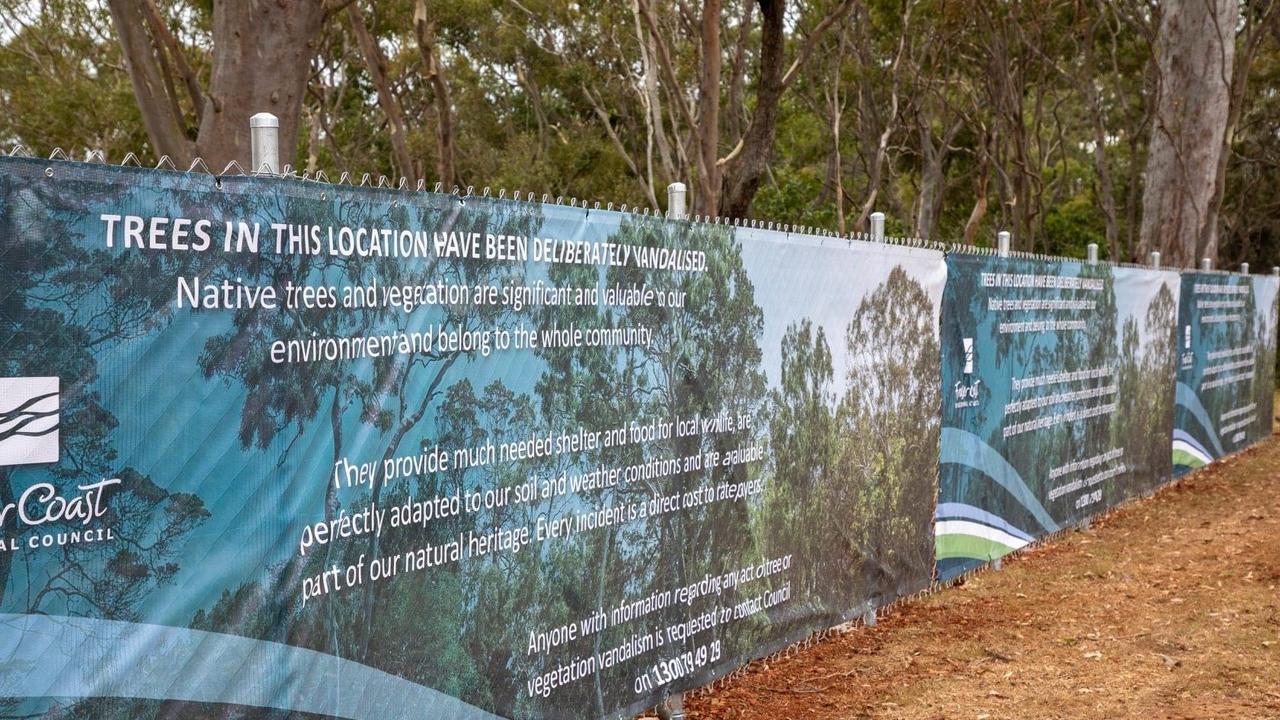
{"x":372,"y":454}
{"x":1226,"y":366}
{"x":1057,"y":398}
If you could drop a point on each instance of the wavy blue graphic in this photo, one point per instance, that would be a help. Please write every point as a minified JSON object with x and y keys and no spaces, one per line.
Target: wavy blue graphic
{"x":1188,"y":453}
{"x":962,"y":511}
{"x":1187,"y":398}
{"x":75,"y":657}
{"x":964,"y":448}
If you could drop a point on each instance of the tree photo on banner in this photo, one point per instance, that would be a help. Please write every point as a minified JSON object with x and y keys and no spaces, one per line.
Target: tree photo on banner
{"x":364,"y":453}
{"x":1057,"y":398}
{"x":1226,"y":366}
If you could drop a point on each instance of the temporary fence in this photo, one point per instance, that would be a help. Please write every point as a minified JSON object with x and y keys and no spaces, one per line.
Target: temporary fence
{"x":361,"y":451}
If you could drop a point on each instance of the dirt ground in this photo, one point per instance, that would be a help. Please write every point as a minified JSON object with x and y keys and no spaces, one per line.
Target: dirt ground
{"x":1167,"y":608}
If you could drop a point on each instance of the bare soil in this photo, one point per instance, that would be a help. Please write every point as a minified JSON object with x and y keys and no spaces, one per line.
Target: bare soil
{"x":1166,"y":608}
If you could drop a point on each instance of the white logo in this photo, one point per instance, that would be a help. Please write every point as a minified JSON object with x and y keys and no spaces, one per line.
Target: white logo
{"x":967,"y":392}
{"x":28,"y":420}
{"x":968,"y":356}
{"x":967,"y":395}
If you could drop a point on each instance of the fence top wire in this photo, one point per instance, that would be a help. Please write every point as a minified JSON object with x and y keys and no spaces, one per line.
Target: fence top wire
{"x":382,"y":182}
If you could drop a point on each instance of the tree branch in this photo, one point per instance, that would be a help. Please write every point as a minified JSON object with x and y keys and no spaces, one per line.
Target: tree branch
{"x":160,"y":30}
{"x":425,"y":32}
{"x":140,"y":60}
{"x":811,"y":41}
{"x":376,"y":62}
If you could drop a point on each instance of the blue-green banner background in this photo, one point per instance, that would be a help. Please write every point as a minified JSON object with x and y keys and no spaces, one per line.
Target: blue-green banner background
{"x":187,"y":531}
{"x":1226,"y":366}
{"x":217,"y":457}
{"x":1057,"y":398}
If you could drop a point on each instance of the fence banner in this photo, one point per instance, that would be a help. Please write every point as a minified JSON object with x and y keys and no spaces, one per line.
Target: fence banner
{"x":1226,"y":370}
{"x":373,"y":454}
{"x":1057,"y":398}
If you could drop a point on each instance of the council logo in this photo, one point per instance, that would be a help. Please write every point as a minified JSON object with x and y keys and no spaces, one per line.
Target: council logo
{"x":967,"y":390}
{"x":1188,"y":357}
{"x":28,"y":420}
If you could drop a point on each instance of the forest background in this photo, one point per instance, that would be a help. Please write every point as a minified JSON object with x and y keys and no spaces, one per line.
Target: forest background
{"x":1135,"y":124}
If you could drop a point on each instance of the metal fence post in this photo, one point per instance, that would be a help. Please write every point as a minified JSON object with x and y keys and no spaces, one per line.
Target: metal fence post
{"x":1004,"y":243}
{"x":264,"y":140}
{"x":877,"y":226}
{"x":1155,"y":258}
{"x":672,"y":708}
{"x":1206,"y":264}
{"x":1093,"y":253}
{"x":1244,"y":268}
{"x":677,"y":195}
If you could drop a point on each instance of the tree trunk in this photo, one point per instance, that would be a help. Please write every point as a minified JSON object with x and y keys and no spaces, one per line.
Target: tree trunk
{"x":1106,"y":188}
{"x":142,"y":62}
{"x":1196,"y":51}
{"x":1131,"y":202}
{"x":933,"y":175}
{"x":1255,"y":32}
{"x":376,"y":62}
{"x":738,"y":73}
{"x":651,"y":98}
{"x":836,"y":160}
{"x":979,"y":212}
{"x":742,"y":173}
{"x":426,"y":36}
{"x":706,"y":200}
{"x":262,"y":52}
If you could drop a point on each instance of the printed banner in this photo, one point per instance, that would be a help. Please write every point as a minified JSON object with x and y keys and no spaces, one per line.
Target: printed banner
{"x":1226,"y":370}
{"x":1057,"y":398}
{"x":372,"y":454}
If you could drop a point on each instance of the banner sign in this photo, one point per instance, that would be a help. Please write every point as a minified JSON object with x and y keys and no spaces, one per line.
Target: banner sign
{"x":1226,"y":366}
{"x":372,"y":454}
{"x":1057,"y":398}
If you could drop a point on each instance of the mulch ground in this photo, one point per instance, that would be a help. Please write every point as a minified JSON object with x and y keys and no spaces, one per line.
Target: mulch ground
{"x":1167,"y":608}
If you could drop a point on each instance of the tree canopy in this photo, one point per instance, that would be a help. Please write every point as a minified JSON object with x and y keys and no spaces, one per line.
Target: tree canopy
{"x":1064,"y":121}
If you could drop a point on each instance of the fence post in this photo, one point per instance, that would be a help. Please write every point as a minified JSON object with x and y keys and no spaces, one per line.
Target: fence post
{"x":1276,"y":271}
{"x":1244,"y":268}
{"x":1093,"y":253}
{"x":1155,"y":258}
{"x":672,"y":708}
{"x":877,"y":226}
{"x":1004,"y":242}
{"x":1206,"y":264}
{"x":264,"y":141}
{"x":677,"y":195}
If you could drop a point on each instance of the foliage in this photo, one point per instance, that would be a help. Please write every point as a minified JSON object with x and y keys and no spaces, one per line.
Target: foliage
{"x":957,"y":121}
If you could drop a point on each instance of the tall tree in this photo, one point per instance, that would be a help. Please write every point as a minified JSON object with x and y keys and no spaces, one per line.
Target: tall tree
{"x":261,"y":62}
{"x":742,"y":169}
{"x":1195,"y":57}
